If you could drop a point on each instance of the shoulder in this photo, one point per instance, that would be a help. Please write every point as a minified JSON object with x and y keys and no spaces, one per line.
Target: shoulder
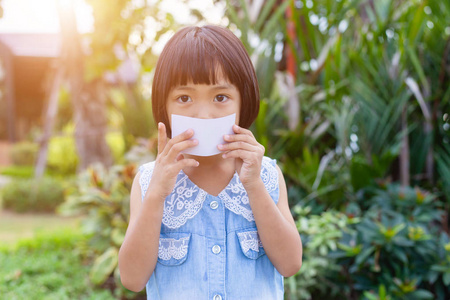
{"x":268,"y":164}
{"x":270,"y":174}
{"x":144,"y":175}
{"x":147,"y":167}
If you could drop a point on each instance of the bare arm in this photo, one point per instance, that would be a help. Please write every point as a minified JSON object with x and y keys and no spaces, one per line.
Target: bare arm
{"x":139,"y":252}
{"x":276,"y":227}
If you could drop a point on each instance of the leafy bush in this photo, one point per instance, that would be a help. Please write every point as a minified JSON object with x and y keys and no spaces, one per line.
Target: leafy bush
{"x":62,"y":157}
{"x":103,"y":196}
{"x":48,"y":266}
{"x":394,"y":245}
{"x":320,"y":235}
{"x":117,"y":145}
{"x":24,"y":153}
{"x":36,"y":195}
{"x":390,"y":244}
{"x":18,"y":171}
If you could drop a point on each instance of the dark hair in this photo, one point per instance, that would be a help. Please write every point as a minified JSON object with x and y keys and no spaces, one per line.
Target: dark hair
{"x":192,"y":55}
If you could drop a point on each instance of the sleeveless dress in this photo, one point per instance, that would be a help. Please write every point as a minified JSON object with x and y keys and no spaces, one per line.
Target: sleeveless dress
{"x":209,"y":247}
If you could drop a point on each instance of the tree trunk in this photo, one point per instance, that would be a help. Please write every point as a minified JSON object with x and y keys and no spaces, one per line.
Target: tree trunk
{"x":91,"y":126}
{"x":50,"y":116}
{"x":88,"y":99}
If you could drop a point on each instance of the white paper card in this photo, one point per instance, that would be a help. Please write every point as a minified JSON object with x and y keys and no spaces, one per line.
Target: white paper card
{"x":208,"y":132}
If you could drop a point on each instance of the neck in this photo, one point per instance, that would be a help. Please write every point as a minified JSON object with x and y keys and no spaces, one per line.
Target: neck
{"x":209,"y":163}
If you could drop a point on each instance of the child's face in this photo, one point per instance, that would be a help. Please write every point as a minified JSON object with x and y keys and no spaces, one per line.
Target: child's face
{"x":205,"y":101}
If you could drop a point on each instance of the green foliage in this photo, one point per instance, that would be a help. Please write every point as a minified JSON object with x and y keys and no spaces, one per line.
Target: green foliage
{"x":320,"y":235}
{"x":394,"y":245}
{"x":48,"y":266}
{"x":33,"y":195}
{"x":358,"y":69}
{"x":62,"y":157}
{"x":390,"y":242}
{"x":18,"y":171}
{"x":103,"y":197}
{"x":264,"y":23}
{"x":117,"y":145}
{"x":24,"y":153}
{"x":136,"y":115}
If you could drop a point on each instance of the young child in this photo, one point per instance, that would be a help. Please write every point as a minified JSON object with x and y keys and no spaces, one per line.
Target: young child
{"x":208,"y":227}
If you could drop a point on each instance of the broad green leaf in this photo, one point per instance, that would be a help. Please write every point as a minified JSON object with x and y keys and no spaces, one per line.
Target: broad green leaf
{"x":104,"y":266}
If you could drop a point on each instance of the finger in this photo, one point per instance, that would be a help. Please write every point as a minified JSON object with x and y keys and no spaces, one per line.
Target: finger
{"x":162,"y":137}
{"x":238,"y":145}
{"x":186,"y":162}
{"x":181,"y":137}
{"x":237,"y":129}
{"x":177,"y":148}
{"x":242,"y":154}
{"x":240,"y":137}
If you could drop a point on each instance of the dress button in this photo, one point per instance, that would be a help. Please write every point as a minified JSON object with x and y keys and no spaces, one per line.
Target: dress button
{"x":214,"y":205}
{"x":216,"y":250}
{"x":217,"y":297}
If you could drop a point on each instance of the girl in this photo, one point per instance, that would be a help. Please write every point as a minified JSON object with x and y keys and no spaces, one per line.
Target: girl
{"x":215,"y":227}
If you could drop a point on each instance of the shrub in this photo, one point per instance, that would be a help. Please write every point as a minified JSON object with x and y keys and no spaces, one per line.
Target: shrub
{"x":24,"y":153}
{"x":36,"y":195}
{"x":390,"y":244}
{"x":18,"y":171}
{"x":320,"y":235}
{"x":103,"y":197}
{"x":48,"y":266}
{"x":62,"y":157}
{"x":393,"y":248}
{"x":117,"y":145}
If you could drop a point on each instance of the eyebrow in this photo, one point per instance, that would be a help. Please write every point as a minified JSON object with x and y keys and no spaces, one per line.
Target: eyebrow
{"x":215,"y":87}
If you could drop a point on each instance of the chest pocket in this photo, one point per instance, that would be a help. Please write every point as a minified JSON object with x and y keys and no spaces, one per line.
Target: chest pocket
{"x":250,"y":243}
{"x":173,"y":248}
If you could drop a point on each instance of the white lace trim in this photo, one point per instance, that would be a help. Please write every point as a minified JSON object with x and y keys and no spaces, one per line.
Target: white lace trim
{"x":249,"y":241}
{"x":146,"y":174}
{"x":186,"y":199}
{"x":235,"y":196}
{"x":179,"y":206}
{"x":269,"y":175}
{"x":173,"y":248}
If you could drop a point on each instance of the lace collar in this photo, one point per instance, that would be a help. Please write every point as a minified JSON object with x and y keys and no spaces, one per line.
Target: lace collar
{"x":186,"y":199}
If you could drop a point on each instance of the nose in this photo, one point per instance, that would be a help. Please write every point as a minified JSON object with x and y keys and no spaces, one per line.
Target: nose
{"x":203,"y":113}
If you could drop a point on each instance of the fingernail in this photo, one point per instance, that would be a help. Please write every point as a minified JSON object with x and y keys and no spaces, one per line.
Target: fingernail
{"x":226,"y":136}
{"x":195,"y":141}
{"x":224,"y":156}
{"x":220,"y":146}
{"x":189,"y":131}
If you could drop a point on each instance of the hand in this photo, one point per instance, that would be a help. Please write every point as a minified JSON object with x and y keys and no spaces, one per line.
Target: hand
{"x":170,"y":161}
{"x":248,"y":153}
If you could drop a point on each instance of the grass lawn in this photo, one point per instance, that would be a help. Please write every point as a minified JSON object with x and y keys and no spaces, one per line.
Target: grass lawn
{"x":14,"y":226}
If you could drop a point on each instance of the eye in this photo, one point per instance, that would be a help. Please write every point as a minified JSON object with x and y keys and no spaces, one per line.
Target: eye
{"x":220,"y":98}
{"x":184,"y":99}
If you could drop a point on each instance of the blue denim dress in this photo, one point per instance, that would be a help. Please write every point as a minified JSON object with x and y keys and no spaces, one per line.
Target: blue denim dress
{"x":209,"y":246}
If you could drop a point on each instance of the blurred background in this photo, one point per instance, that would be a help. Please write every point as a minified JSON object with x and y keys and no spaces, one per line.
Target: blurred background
{"x":355,"y":107}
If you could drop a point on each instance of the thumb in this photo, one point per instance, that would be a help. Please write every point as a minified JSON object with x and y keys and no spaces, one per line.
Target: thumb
{"x":162,"y":137}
